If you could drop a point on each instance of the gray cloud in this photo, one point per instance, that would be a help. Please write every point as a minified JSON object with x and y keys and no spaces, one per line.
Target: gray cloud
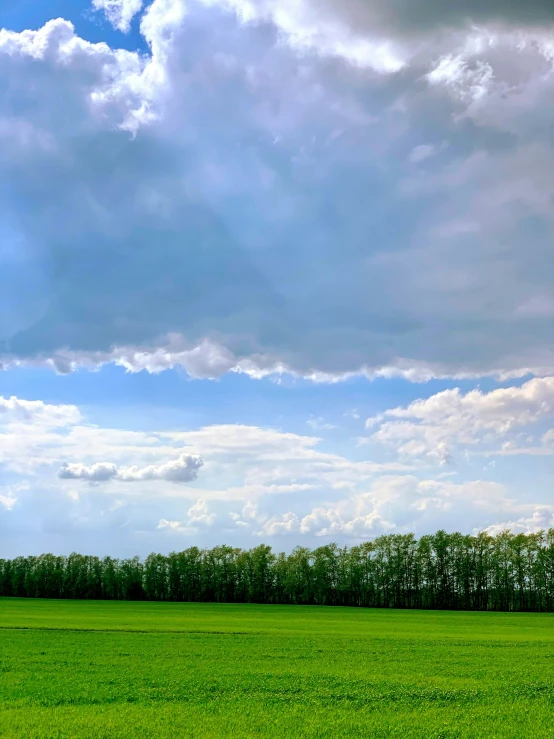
{"x":183,"y":469}
{"x":411,"y":16}
{"x":99,"y":472}
{"x":280,"y":225}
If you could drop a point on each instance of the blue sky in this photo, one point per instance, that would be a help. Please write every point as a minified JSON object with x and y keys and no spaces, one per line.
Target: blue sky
{"x":274,"y":271}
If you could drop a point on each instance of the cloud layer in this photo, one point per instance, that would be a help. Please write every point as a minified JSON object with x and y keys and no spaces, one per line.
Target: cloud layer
{"x":188,"y":208}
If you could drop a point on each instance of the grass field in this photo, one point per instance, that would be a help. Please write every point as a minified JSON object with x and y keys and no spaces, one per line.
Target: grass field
{"x":119,"y":669}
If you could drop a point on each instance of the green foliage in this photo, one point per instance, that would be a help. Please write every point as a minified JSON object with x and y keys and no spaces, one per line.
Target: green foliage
{"x":118,"y":670}
{"x":510,"y":572}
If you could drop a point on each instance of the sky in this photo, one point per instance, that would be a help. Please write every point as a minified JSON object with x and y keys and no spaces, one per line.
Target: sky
{"x":274,"y":271}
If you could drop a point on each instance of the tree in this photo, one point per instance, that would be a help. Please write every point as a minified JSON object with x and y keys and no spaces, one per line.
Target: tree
{"x":513,"y":572}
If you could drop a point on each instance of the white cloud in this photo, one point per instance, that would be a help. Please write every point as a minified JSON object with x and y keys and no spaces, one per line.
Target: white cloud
{"x":99,"y":472}
{"x":207,"y":360}
{"x":320,"y":424}
{"x":111,"y":82}
{"x":263,"y":482}
{"x":306,"y":28}
{"x":243,"y":461}
{"x":120,"y":13}
{"x":183,"y":469}
{"x":425,"y":151}
{"x":395,"y":503}
{"x":525,"y":445}
{"x":171,"y":525}
{"x":541,"y":520}
{"x":250,"y":511}
{"x":198,"y":515}
{"x":8,"y":501}
{"x":210,"y":360}
{"x":470,"y":84}
{"x":285,"y":523}
{"x":330,"y":522}
{"x":434,"y":426}
{"x":387,"y":37}
{"x":37,"y":412}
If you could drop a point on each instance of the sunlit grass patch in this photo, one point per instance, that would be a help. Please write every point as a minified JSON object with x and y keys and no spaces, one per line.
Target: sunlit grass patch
{"x":117,"y":669}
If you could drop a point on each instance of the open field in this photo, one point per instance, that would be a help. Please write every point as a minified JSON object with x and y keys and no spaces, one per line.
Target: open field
{"x":122,"y":669}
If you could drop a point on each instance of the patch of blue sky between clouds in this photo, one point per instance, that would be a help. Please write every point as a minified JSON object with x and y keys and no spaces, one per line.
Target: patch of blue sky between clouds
{"x":90,"y":22}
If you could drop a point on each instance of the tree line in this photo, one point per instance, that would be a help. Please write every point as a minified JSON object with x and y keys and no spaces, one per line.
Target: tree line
{"x":507,"y":572}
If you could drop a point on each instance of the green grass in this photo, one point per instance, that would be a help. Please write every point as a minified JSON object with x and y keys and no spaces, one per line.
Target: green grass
{"x":116,"y":669}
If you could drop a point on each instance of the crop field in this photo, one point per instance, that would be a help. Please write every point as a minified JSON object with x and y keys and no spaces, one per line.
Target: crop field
{"x":122,"y":669}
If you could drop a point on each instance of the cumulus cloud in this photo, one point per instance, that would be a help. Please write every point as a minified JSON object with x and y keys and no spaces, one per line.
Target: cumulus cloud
{"x":434,"y":425}
{"x":541,"y":520}
{"x":284,"y":523}
{"x":183,"y":469}
{"x":198,"y":515}
{"x":393,"y":503}
{"x":330,"y":522}
{"x":99,"y":472}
